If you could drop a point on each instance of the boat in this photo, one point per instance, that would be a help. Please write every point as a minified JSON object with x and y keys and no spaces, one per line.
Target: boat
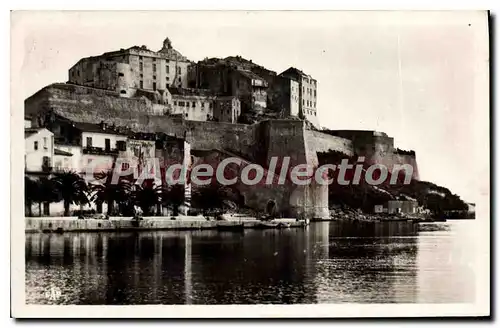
{"x":284,"y":225}
{"x":229,"y":226}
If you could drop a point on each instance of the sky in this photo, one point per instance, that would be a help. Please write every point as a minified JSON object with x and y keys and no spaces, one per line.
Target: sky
{"x":421,"y":77}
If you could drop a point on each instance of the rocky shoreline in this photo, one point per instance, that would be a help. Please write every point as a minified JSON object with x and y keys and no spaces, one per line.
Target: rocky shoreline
{"x":357,"y":215}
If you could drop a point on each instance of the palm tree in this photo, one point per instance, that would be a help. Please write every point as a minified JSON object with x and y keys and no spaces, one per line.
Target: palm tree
{"x":146,"y":196}
{"x":72,"y":188}
{"x":173,"y":197}
{"x":47,"y":193}
{"x":105,"y":191}
{"x":31,"y":194}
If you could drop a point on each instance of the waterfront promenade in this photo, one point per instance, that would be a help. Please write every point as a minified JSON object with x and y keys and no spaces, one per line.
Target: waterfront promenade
{"x":63,"y":224}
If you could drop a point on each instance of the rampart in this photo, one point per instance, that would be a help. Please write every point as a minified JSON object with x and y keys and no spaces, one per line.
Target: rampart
{"x":377,"y":148}
{"x":258,"y":142}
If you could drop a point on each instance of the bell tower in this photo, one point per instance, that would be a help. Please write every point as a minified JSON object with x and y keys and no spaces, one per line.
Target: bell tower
{"x":167,"y":44}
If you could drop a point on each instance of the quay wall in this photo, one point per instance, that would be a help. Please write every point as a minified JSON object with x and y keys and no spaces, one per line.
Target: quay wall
{"x":73,"y":224}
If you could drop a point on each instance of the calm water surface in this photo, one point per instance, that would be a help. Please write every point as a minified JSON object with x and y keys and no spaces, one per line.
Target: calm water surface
{"x":328,"y":262}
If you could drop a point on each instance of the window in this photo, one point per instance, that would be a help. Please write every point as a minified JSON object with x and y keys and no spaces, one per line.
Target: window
{"x":154,"y":86}
{"x":45,"y":142}
{"x":35,"y":145}
{"x":175,"y":103}
{"x":181,"y":103}
{"x":303,"y":102}
{"x":140,"y":57}
{"x":141,"y":84}
{"x":125,"y":166}
{"x":168,"y":78}
{"x":89,"y":142}
{"x":141,"y":76}
{"x":167,"y":61}
{"x":193,"y":104}
{"x":107,"y":144}
{"x":140,"y":66}
{"x":123,"y":92}
{"x":154,"y":59}
{"x":168,"y":85}
{"x":167,"y":68}
{"x":154,"y":77}
{"x":314,"y":93}
{"x":154,"y":67}
{"x":78,"y":73}
{"x":120,"y":74}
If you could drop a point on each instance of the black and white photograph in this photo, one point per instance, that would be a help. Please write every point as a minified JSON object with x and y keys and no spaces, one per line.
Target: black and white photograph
{"x":291,"y":163}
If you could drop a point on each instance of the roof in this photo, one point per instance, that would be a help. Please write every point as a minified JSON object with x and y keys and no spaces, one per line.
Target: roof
{"x":31,"y":131}
{"x":295,"y":72}
{"x":143,"y":136}
{"x":240,"y":60}
{"x":100,"y":128}
{"x":165,"y":52}
{"x":248,"y":64}
{"x":62,"y":152}
{"x":250,"y":75}
{"x":191,"y":92}
{"x":211,"y":61}
{"x":224,"y":98}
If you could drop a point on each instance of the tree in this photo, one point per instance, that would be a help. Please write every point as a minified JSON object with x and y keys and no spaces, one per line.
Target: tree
{"x":47,"y":193}
{"x":216,"y":197}
{"x":31,"y":194}
{"x":71,"y":188}
{"x":146,"y":196}
{"x":173,"y":197}
{"x":105,"y":191}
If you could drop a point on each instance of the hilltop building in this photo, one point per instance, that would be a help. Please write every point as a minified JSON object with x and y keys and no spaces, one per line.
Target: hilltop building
{"x":227,"y":109}
{"x":192,"y":104}
{"x":226,"y":78}
{"x":137,"y":68}
{"x":307,"y":93}
{"x":173,"y":83}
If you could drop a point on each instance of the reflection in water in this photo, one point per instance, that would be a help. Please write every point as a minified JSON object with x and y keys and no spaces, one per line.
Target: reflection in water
{"x":329,"y":262}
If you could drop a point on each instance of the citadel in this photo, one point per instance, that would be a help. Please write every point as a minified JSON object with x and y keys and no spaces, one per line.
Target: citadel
{"x":138,"y":103}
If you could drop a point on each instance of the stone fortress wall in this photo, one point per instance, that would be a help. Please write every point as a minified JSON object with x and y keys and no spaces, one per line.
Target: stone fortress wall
{"x":256,"y":143}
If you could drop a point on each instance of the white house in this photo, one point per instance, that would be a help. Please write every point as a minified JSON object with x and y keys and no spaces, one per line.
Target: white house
{"x":67,"y":157}
{"x":39,"y":150}
{"x":100,"y":145}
